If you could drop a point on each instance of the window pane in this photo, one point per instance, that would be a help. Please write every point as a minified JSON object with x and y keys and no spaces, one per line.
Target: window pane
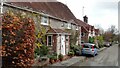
{"x":86,"y":46}
{"x":44,"y":19}
{"x":49,"y":40}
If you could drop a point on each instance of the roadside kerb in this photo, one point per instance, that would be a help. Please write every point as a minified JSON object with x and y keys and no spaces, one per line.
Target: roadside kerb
{"x":101,"y":49}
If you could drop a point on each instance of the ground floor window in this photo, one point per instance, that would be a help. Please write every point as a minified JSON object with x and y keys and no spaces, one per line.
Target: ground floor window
{"x":49,"y":40}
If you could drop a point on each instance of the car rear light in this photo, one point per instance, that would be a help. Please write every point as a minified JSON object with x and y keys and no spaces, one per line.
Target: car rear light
{"x":92,"y":48}
{"x":82,"y":46}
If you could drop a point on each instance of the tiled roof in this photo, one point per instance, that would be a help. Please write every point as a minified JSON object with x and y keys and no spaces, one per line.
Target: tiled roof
{"x":83,"y":29}
{"x":84,"y":25}
{"x":56,"y":31}
{"x":56,"y":9}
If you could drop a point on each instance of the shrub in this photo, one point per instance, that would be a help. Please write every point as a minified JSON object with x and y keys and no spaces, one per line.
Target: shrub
{"x":18,"y":38}
{"x":42,"y":50}
{"x":71,"y":53}
{"x":91,"y":39}
{"x":51,"y":57}
{"x":55,"y":56}
{"x":60,"y":56}
{"x":75,"y":47}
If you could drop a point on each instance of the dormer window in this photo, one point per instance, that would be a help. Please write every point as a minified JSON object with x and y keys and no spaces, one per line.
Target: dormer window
{"x":69,"y":26}
{"x":44,"y":20}
{"x":76,"y":27}
{"x":62,"y":25}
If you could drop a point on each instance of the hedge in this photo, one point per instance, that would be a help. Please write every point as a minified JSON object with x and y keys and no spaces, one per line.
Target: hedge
{"x":18,"y":39}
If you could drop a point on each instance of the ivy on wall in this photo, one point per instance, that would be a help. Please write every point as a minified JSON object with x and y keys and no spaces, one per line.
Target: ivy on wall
{"x":40,"y":30}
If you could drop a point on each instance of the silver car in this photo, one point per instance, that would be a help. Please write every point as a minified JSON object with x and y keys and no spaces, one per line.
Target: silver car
{"x":88,"y":48}
{"x":107,"y":44}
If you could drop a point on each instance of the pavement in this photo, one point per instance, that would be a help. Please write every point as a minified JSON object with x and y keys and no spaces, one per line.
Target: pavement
{"x":101,"y":49}
{"x":73,"y":60}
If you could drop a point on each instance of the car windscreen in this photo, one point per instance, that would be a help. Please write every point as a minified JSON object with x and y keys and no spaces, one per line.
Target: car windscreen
{"x":86,"y":46}
{"x":93,"y":47}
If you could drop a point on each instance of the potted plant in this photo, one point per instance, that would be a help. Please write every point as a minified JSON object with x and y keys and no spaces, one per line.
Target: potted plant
{"x":51,"y":57}
{"x":55,"y":56}
{"x":60,"y":56}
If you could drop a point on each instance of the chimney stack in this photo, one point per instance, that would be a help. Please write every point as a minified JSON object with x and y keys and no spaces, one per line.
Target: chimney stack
{"x":85,"y":19}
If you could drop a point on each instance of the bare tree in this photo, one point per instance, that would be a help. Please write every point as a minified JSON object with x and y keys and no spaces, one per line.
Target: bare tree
{"x":111,"y":34}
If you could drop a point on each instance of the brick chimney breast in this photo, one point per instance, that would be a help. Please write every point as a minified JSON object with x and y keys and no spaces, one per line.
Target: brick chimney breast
{"x":85,"y":19}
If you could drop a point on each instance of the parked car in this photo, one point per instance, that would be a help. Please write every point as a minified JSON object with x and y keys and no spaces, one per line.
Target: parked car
{"x":110,"y":43}
{"x":90,"y":49}
{"x":107,"y":44}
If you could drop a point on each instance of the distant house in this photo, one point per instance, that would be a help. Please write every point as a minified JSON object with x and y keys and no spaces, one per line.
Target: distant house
{"x":87,"y":30}
{"x":84,"y":31}
{"x":97,"y":32}
{"x":55,"y":17}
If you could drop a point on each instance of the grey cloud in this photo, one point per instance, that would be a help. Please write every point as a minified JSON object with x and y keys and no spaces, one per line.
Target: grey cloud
{"x":107,"y":5}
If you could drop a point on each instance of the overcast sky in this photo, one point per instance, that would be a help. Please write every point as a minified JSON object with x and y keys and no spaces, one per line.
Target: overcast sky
{"x":99,"y":12}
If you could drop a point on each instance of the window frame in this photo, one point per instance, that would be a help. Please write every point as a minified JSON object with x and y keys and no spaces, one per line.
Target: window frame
{"x":43,"y":19}
{"x":69,"y":26}
{"x":77,"y":27}
{"x":48,"y":40}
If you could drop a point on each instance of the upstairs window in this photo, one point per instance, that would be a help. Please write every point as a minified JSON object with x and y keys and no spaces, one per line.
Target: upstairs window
{"x":44,"y":20}
{"x":69,"y":26}
{"x":76,"y":27}
{"x":62,"y":25}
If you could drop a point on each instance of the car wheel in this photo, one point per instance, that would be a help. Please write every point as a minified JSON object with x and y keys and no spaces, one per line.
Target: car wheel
{"x":96,"y":53}
{"x":82,"y":54}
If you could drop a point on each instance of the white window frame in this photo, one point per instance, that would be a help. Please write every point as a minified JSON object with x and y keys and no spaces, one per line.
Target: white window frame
{"x":43,"y":19}
{"x":69,"y":25}
{"x":77,"y":28}
{"x":63,"y":24}
{"x":51,"y":40}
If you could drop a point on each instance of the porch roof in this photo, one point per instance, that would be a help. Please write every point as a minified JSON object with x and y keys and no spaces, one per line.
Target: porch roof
{"x":83,"y":29}
{"x":57,"y":31}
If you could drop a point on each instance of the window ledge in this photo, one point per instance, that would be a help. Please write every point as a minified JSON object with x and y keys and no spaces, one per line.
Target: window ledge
{"x":44,"y":23}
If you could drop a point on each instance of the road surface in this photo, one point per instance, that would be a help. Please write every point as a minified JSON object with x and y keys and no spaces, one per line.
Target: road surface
{"x":107,"y":57}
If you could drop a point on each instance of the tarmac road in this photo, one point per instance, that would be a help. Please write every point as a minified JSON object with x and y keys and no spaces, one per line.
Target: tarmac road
{"x":107,"y":57}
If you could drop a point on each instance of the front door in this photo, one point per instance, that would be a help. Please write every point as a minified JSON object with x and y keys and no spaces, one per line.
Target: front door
{"x":63,"y":44}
